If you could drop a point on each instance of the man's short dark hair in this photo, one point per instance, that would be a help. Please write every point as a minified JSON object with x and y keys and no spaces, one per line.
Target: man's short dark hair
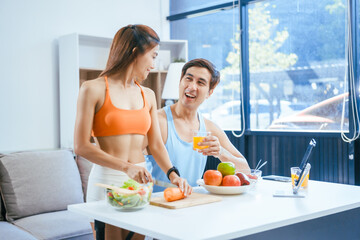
{"x":203,"y":63}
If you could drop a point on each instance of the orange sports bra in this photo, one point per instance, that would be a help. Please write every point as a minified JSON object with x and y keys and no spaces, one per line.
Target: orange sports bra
{"x":111,"y":121}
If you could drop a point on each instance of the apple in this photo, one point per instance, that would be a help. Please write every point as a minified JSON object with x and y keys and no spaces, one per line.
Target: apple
{"x":226,"y":168}
{"x":212,"y":177}
{"x":244,"y":179}
{"x":231,"y":180}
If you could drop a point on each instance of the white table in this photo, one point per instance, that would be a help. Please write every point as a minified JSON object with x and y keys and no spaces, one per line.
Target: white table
{"x":235,"y":216}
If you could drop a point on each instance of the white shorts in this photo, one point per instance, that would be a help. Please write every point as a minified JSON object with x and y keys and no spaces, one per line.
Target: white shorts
{"x":100,"y":174}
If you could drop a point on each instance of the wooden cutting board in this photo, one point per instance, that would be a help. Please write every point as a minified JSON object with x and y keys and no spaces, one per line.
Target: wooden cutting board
{"x":192,"y":200}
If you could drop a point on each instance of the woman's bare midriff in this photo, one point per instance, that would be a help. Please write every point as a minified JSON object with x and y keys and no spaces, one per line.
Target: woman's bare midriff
{"x":127,"y":147}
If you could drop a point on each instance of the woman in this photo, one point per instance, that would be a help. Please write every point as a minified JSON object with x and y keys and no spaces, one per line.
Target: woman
{"x":118,"y":112}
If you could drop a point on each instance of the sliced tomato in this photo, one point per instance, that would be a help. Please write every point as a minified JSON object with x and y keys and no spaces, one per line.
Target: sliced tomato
{"x":142,"y":192}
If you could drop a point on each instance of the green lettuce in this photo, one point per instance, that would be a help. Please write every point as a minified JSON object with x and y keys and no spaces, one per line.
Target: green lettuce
{"x":131,"y":183}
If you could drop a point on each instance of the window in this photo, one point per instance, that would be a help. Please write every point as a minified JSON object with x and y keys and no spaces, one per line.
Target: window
{"x":357,"y":54}
{"x":297,"y":64}
{"x":211,"y":37}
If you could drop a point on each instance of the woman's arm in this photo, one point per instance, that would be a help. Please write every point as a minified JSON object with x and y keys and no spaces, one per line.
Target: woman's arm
{"x":157,"y":147}
{"x":87,"y":100}
{"x":221,"y":147}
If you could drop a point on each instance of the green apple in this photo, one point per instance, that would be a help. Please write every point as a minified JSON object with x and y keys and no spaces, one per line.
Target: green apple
{"x":226,"y":168}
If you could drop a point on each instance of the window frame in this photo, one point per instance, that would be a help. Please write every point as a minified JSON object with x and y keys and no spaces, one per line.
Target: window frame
{"x":245,"y":74}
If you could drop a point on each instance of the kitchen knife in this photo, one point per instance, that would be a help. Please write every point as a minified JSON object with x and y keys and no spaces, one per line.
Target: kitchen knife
{"x":163,"y":184}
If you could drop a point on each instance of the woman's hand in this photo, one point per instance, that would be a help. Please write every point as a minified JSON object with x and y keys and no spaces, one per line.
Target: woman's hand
{"x":182,"y":184}
{"x":139,"y":174}
{"x":214,"y":148}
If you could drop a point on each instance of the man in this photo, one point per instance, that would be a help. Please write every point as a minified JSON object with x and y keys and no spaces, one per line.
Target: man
{"x":178,"y":121}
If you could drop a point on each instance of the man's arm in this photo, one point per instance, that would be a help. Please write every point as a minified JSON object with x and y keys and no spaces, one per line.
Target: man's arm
{"x":221,"y":147}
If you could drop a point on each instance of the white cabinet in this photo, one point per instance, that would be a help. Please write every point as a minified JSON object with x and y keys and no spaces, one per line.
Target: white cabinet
{"x":83,"y":58}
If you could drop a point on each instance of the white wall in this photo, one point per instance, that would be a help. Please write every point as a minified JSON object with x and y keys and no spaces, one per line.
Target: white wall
{"x":29,"y":78}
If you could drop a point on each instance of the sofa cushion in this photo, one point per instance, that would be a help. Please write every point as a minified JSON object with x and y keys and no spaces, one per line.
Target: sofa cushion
{"x":56,"y":225}
{"x":84,"y":166}
{"x":9,"y":231}
{"x":39,"y":182}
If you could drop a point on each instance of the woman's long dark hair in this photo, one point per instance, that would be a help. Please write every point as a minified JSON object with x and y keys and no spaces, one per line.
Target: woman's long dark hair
{"x":128,"y":43}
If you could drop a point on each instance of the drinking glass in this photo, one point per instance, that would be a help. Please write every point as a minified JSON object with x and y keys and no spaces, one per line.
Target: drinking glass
{"x":198,"y":136}
{"x":294,"y":175}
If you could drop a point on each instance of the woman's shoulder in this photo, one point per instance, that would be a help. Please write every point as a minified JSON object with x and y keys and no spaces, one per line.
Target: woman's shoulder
{"x":149,"y":94}
{"x":93,"y":86}
{"x":148,"y":91}
{"x":94,"y":82}
{"x":93,"y":90}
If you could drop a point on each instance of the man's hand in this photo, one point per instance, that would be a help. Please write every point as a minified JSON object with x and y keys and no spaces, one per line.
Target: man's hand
{"x":214,"y":148}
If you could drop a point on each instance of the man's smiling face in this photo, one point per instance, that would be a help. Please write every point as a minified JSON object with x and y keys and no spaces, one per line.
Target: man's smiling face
{"x":195,"y":86}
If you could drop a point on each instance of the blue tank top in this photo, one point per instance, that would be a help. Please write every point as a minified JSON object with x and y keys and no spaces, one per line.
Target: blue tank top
{"x":190,"y":163}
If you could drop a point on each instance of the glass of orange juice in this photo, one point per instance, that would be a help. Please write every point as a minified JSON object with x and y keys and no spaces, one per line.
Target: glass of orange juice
{"x":198,"y":136}
{"x":294,"y":175}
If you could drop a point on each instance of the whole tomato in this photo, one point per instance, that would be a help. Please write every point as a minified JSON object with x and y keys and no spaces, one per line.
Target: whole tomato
{"x":212,"y":177}
{"x":231,"y":180}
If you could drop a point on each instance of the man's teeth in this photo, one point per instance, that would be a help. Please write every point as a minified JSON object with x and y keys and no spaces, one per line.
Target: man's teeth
{"x":190,"y":96}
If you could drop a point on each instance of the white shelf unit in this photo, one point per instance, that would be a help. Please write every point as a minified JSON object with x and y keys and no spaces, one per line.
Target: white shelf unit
{"x":83,"y":57}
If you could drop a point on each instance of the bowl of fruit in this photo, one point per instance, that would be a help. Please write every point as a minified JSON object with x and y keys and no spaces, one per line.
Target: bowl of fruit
{"x":132,"y":195}
{"x":225,"y":180}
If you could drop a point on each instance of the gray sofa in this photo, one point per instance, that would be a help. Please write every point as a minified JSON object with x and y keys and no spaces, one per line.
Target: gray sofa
{"x":36,"y":188}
